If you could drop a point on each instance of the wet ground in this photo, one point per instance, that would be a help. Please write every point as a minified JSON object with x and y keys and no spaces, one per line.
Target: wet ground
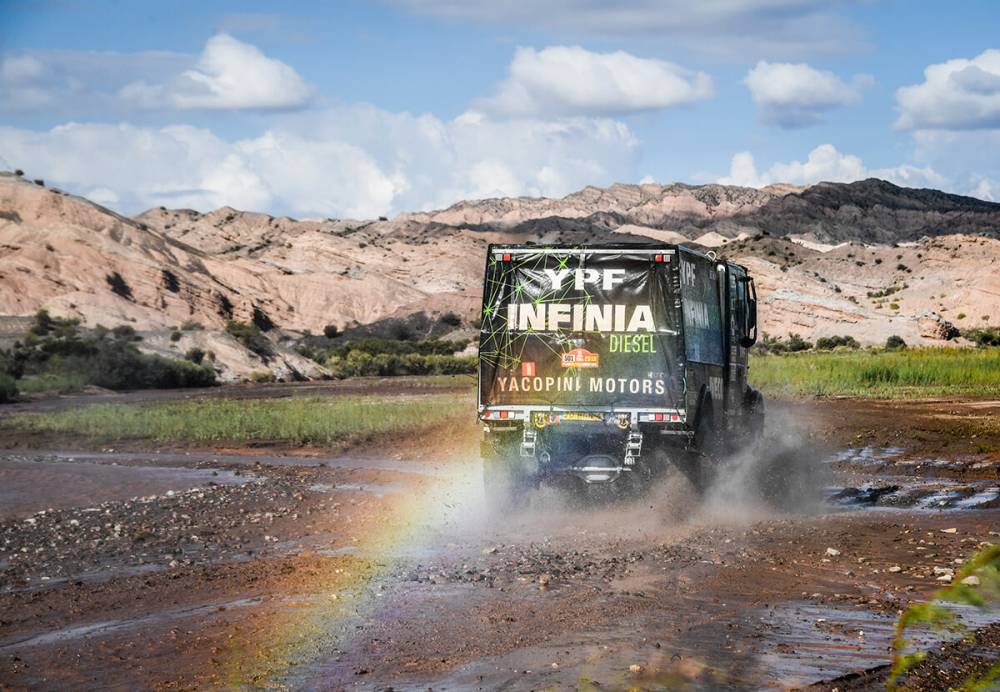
{"x":182,"y":569}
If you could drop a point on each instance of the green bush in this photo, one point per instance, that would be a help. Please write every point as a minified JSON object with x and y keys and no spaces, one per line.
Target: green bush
{"x":57,"y":355}
{"x":894,"y":343}
{"x":362,"y":364}
{"x":451,"y":319}
{"x":983,"y":336}
{"x":8,"y":388}
{"x":331,"y":331}
{"x":828,"y":343}
{"x":251,"y":336}
{"x":262,"y":376}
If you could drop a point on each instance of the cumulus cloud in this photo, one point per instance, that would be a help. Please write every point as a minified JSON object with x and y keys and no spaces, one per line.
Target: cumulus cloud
{"x":958,"y":94}
{"x":229,"y":74}
{"x":564,"y":80}
{"x":825,"y":163}
{"x":357,"y":161}
{"x":731,"y":28}
{"x":797,"y":95}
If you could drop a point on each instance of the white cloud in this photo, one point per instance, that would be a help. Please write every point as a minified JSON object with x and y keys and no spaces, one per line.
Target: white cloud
{"x":229,"y":74}
{"x":356,"y":161}
{"x":796,"y":95}
{"x":564,"y":80}
{"x":986,"y":189}
{"x":732,"y":28}
{"x":20,"y":68}
{"x":958,"y":94}
{"x":825,"y":163}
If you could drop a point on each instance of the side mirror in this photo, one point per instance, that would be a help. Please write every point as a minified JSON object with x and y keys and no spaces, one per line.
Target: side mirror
{"x":749,"y":337}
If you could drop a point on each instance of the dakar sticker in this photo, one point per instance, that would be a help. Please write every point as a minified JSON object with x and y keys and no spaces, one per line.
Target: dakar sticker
{"x":580,"y":358}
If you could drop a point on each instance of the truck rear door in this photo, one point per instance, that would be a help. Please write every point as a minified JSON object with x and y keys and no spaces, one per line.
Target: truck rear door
{"x":580,"y":329}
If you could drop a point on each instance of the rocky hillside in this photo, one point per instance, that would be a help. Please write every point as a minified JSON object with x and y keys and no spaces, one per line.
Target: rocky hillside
{"x":866,"y":259}
{"x":868,"y":211}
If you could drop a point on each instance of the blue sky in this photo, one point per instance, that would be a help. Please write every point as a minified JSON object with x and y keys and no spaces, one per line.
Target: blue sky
{"x":368,"y":108}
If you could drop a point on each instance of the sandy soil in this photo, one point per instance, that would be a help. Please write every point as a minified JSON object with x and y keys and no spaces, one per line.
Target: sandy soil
{"x":379,"y":568}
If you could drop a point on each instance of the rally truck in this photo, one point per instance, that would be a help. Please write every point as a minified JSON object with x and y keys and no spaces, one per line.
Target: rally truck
{"x":606,"y":364}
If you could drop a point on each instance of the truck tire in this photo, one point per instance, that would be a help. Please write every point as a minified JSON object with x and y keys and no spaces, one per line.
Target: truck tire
{"x":754,"y":410}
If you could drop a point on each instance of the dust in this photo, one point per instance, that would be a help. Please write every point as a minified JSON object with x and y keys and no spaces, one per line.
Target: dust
{"x":783,"y":474}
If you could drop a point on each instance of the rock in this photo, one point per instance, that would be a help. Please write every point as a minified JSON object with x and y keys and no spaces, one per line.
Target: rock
{"x":832,"y":552}
{"x":943,"y":570}
{"x":945,"y":577}
{"x":895,"y":568}
{"x":951,"y":530}
{"x":931,"y":325}
{"x":635,"y":668}
{"x":971,"y":580}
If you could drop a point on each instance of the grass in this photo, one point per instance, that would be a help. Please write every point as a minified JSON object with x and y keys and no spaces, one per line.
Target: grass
{"x":319,"y":421}
{"x":53,"y":383}
{"x":909,"y":373}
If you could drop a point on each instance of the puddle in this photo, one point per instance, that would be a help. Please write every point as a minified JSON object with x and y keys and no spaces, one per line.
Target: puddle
{"x":31,"y":485}
{"x":865,"y":456}
{"x":908,"y":494}
{"x":806,"y":643}
{"x":101,"y":628}
{"x":168,"y":459}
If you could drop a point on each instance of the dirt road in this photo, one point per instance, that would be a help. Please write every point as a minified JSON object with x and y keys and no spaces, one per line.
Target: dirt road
{"x":239,"y":568}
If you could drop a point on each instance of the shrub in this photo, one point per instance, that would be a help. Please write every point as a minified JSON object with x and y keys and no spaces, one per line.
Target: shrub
{"x":894,"y":343}
{"x":43,"y":323}
{"x":225,"y":308}
{"x":331,"y":331}
{"x":361,"y":364}
{"x":195,"y":355}
{"x":119,"y":286}
{"x":170,"y":281}
{"x":262,"y":376}
{"x":451,"y":319}
{"x":124,"y":332}
{"x":191,"y":326}
{"x":960,"y":316}
{"x":250,"y":336}
{"x":175,"y":336}
{"x":8,"y":388}
{"x":261,"y":320}
{"x":828,"y":343}
{"x":983,"y":336}
{"x":797,"y":343}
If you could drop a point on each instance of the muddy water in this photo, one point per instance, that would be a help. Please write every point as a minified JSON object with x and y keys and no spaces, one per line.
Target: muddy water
{"x":29,"y":484}
{"x":553,"y":595}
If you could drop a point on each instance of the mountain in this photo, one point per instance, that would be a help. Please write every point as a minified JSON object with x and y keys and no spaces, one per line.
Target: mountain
{"x":867,"y":259}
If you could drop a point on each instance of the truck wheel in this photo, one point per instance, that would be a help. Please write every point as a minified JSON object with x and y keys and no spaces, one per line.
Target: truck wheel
{"x":754,"y":411}
{"x":707,"y":438}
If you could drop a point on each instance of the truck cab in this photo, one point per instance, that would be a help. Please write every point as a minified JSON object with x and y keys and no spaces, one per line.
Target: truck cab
{"x":600,"y":363}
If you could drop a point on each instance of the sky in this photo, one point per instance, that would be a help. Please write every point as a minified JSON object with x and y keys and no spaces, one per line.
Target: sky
{"x":361,"y":109}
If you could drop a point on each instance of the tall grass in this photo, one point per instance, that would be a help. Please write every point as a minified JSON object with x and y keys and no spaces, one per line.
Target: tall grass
{"x":910,"y":373}
{"x":322,"y":421}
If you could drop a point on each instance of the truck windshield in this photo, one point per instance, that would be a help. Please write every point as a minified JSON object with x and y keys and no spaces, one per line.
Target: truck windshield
{"x":594,"y":328}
